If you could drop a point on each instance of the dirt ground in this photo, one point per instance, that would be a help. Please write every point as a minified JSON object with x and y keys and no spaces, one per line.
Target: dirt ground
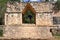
{"x":24,"y":39}
{"x":55,"y":38}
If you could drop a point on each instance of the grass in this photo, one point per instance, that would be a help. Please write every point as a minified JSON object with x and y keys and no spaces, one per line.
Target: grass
{"x":57,"y":34}
{"x":57,"y":37}
{"x":1,"y":33}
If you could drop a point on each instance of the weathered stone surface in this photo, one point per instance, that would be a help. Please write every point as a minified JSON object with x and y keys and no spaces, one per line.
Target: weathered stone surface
{"x":20,"y":30}
{"x":56,"y":14}
{"x":41,"y":17}
{"x":16,"y":19}
{"x":39,"y":7}
{"x":13,"y":19}
{"x":42,"y":7}
{"x":44,"y":19}
{"x":27,"y":32}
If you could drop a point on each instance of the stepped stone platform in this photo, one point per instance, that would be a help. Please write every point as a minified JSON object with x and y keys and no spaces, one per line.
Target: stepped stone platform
{"x":18,"y":32}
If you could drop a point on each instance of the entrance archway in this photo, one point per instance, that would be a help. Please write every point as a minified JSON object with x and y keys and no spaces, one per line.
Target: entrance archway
{"x":29,"y":14}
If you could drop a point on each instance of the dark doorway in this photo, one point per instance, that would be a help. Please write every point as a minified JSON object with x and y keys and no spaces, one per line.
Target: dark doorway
{"x":29,"y":14}
{"x":29,"y":17}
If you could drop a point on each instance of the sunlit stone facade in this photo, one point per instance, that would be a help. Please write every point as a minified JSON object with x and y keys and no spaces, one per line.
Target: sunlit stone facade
{"x":15,"y":28}
{"x":43,"y":13}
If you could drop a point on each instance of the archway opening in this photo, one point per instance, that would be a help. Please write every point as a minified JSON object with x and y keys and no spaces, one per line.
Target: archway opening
{"x":29,"y":15}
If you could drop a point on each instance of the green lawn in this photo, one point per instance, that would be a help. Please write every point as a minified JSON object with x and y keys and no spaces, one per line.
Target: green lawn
{"x":57,"y":37}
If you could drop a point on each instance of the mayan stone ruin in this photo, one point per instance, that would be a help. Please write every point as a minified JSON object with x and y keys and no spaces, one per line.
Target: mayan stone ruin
{"x":29,"y":20}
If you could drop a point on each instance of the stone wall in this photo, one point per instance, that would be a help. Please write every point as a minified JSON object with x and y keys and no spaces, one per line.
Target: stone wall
{"x":39,"y":7}
{"x":16,"y":19}
{"x":16,"y":29}
{"x":42,"y":7}
{"x":13,"y":18}
{"x":57,"y":14}
{"x":41,"y":17}
{"x":44,"y":19}
{"x":27,"y":32}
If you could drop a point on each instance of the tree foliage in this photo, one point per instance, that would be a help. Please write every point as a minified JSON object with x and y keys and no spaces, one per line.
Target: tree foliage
{"x":14,"y":0}
{"x":56,"y":7}
{"x":29,"y":17}
{"x":2,"y":10}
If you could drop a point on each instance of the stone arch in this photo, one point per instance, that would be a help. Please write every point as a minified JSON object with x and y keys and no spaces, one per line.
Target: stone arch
{"x":29,"y":7}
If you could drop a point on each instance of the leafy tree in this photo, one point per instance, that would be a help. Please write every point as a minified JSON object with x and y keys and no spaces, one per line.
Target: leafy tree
{"x":14,"y":0}
{"x":2,"y":10}
{"x":56,"y":7}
